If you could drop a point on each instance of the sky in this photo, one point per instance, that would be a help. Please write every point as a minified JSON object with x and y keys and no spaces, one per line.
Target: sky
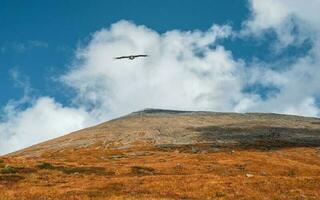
{"x":57,"y":72}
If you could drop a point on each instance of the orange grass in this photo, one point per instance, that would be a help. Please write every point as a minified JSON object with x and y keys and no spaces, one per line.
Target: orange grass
{"x":148,"y":173}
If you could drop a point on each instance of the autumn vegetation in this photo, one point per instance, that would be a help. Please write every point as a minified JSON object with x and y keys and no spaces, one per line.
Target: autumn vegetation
{"x":150,"y":170}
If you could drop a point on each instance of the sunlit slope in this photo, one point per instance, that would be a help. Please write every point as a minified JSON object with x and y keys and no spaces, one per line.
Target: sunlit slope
{"x":167,"y":127}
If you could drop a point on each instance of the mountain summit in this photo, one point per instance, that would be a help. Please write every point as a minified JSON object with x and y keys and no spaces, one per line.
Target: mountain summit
{"x":157,"y":127}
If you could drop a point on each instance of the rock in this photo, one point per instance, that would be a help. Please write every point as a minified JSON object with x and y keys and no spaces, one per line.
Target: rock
{"x":215,"y":149}
{"x":249,"y":175}
{"x":194,"y":149}
{"x":126,"y":146}
{"x":117,"y":156}
{"x":140,"y":153}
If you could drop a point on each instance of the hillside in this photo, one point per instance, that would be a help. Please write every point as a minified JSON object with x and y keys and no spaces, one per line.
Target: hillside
{"x":165,"y":154}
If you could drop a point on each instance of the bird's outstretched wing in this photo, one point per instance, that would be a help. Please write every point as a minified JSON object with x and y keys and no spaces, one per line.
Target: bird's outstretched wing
{"x":141,"y":55}
{"x":121,"y":57}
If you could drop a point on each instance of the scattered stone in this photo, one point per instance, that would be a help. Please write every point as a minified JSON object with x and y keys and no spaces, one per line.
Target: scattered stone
{"x":117,"y":156}
{"x":249,"y":175}
{"x":194,"y":150}
{"x":126,"y":146}
{"x":215,"y":149}
{"x":140,"y":153}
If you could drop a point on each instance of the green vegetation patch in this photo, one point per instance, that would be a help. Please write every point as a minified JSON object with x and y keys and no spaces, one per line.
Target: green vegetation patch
{"x":8,"y":170}
{"x":83,"y":170}
{"x":46,"y":166}
{"x":13,"y":170}
{"x":76,"y":170}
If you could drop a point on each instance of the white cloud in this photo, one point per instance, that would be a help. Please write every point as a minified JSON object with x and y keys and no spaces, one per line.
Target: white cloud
{"x":293,"y":20}
{"x":44,"y":119}
{"x":184,"y":70}
{"x":272,"y":13}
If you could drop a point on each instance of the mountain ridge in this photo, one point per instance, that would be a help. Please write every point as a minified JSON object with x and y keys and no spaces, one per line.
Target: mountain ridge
{"x":159,"y":126}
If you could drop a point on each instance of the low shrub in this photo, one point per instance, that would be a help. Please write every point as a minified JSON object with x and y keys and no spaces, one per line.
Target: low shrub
{"x":74,"y":170}
{"x":8,"y":170}
{"x":291,"y":173}
{"x":83,"y":170}
{"x":46,"y":166}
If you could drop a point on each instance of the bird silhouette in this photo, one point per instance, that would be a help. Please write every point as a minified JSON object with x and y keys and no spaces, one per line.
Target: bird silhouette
{"x":131,"y":57}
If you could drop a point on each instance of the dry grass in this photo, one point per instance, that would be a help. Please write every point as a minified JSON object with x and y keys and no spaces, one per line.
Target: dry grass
{"x":292,"y":173}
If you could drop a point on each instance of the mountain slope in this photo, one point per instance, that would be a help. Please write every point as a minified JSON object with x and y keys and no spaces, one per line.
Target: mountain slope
{"x":162,"y":127}
{"x":165,"y":154}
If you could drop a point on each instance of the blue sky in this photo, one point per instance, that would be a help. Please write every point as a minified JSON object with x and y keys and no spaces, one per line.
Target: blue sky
{"x":58,"y":75}
{"x":64,"y":25}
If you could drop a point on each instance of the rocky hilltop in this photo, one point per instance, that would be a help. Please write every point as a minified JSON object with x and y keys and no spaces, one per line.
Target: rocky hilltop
{"x":170,"y":128}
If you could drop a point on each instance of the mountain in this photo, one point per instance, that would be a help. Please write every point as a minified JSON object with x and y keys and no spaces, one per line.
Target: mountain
{"x":167,"y":154}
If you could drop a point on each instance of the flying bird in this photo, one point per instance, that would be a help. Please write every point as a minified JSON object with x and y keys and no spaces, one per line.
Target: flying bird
{"x":131,"y":57}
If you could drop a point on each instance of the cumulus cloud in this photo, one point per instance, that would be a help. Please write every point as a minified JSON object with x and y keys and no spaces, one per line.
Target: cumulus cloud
{"x":186,"y":70}
{"x":44,"y":119}
{"x":272,"y":13}
{"x":293,"y":21}
{"x":30,"y":120}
